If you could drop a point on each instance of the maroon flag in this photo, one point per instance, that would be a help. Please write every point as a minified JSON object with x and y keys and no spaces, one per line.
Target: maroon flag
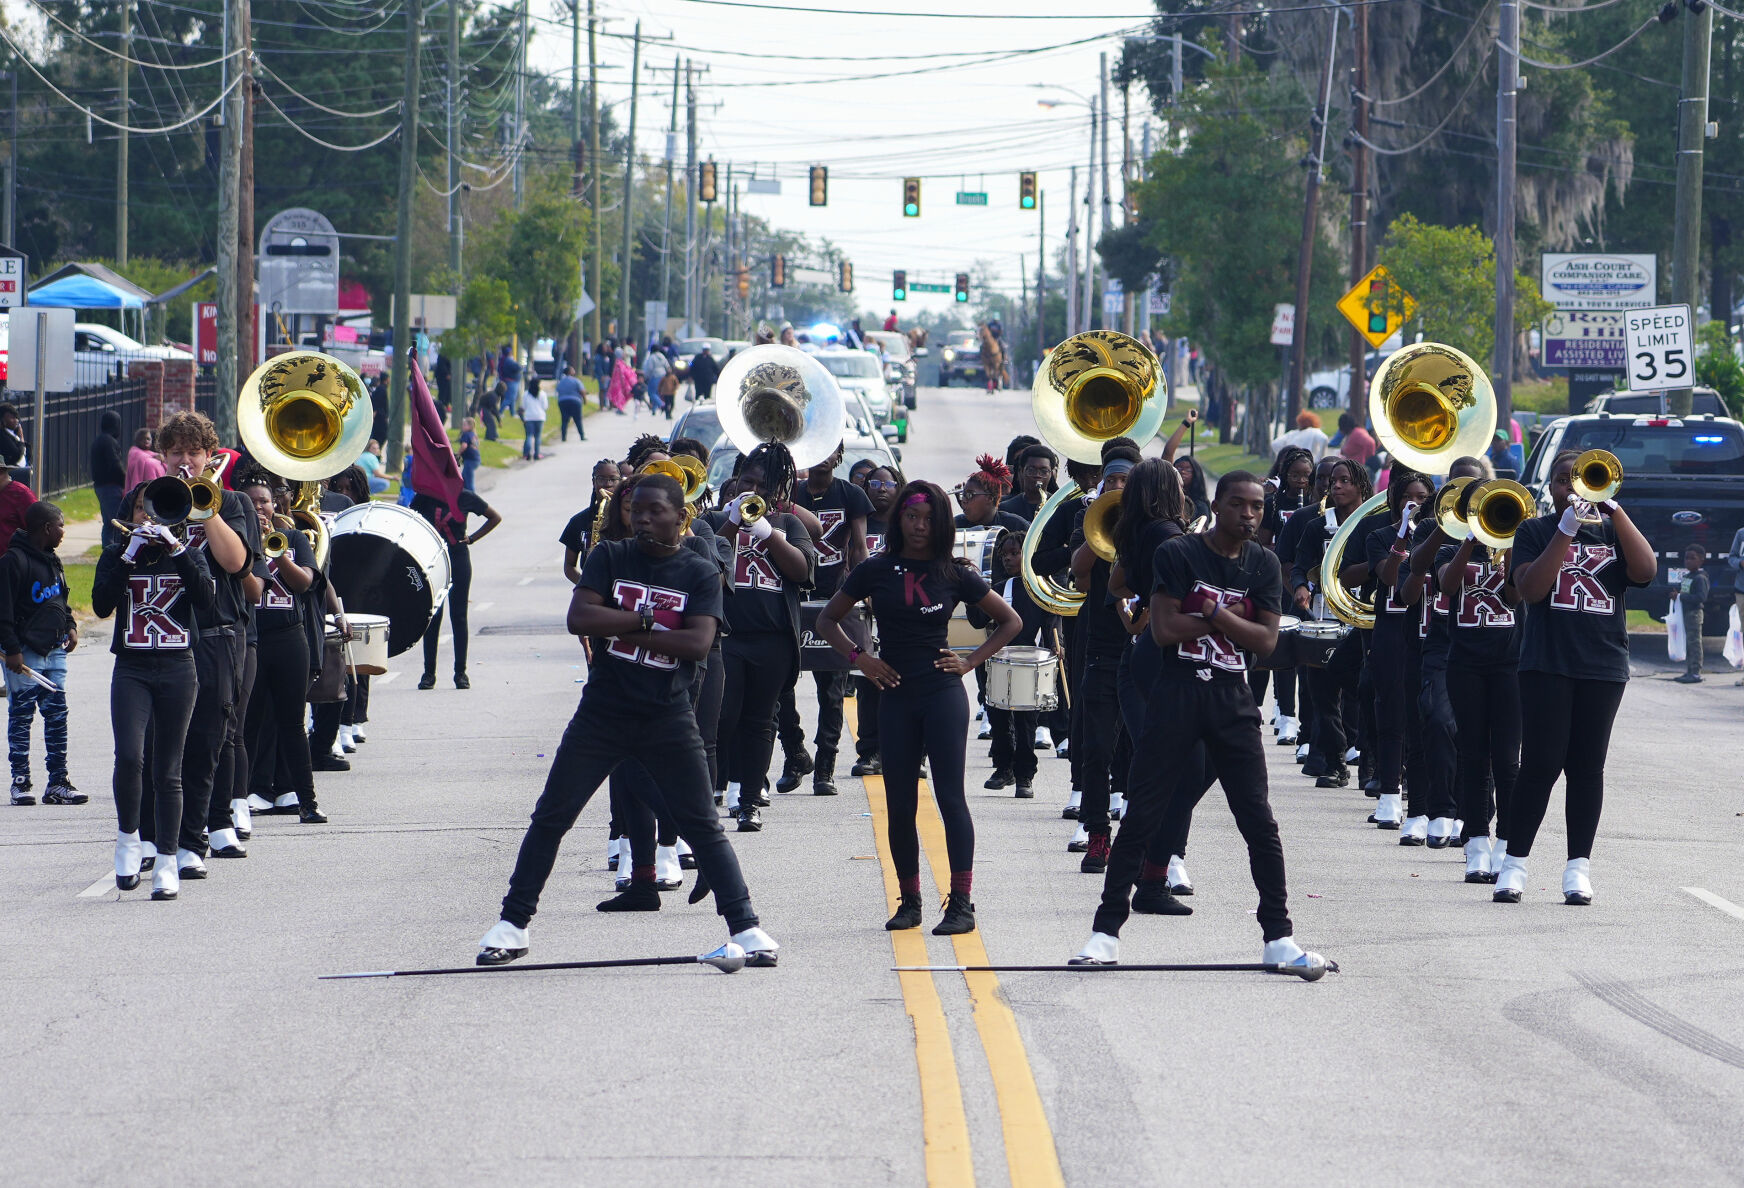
{"x":438,"y":475}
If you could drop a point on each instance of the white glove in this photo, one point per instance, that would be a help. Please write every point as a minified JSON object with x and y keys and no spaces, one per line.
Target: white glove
{"x":136,"y":541}
{"x":1611,"y":506}
{"x":1273,"y":483}
{"x":1570,"y":523}
{"x":168,"y":539}
{"x":1332,"y":519}
{"x":735,"y":514}
{"x":1407,"y":512}
{"x":760,"y":530}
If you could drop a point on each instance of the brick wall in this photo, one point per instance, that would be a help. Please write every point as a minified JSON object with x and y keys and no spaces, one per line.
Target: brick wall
{"x":169,"y":386}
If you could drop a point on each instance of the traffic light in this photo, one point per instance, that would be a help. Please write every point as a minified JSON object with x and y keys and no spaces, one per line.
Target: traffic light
{"x":899,"y":285}
{"x":744,"y":283}
{"x":705,"y":183}
{"x":962,"y":286}
{"x":845,"y":277}
{"x":820,"y":185}
{"x":911,"y":197}
{"x":1026,"y":191}
{"x":1378,"y":306}
{"x":778,"y":272}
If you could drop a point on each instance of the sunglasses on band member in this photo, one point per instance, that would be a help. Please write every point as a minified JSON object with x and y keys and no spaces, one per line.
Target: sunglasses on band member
{"x":963,"y":494}
{"x":879,"y":485}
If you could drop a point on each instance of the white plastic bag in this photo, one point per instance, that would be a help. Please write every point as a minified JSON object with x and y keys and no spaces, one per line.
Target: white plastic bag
{"x":1734,"y":649}
{"x":1675,"y":643}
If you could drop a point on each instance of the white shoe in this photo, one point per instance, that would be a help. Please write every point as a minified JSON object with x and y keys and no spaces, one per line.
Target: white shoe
{"x":986,"y":730}
{"x":259,"y":804}
{"x":1065,"y":747}
{"x":147,"y":856}
{"x":1286,"y":952}
{"x":357,"y":734}
{"x":1498,"y":851}
{"x":1289,"y":729}
{"x":1074,"y":802}
{"x":1044,"y":739}
{"x":668,"y":875}
{"x":289,"y":799}
{"x":186,"y":861}
{"x":760,"y":948}
{"x":344,"y":740}
{"x":684,"y":851}
{"x":226,"y":839}
{"x":612,"y":852}
{"x":338,"y":751}
{"x":166,"y":881}
{"x":1302,"y":751}
{"x":1577,"y":889}
{"x":1443,"y":832}
{"x":240,"y":818}
{"x":502,"y":944}
{"x":1080,"y":840}
{"x":1510,"y":880}
{"x":127,"y":859}
{"x":1477,"y":861}
{"x":980,"y":713}
{"x":1388,"y":812}
{"x":1179,"y":883}
{"x":1116,"y":807}
{"x":1415,"y":831}
{"x":1352,"y":755}
{"x":733,"y":796}
{"x":1100,"y":949}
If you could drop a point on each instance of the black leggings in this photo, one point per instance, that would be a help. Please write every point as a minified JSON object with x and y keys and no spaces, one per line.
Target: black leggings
{"x":758,"y":669}
{"x":1565,"y":728}
{"x":1194,"y":776}
{"x":238,"y":768}
{"x":460,"y":557}
{"x":1259,"y":678}
{"x":1486,"y":705}
{"x":1437,"y":742}
{"x":218,"y":659}
{"x":1102,"y":737}
{"x":275,"y":714}
{"x":1342,"y":675}
{"x":707,"y":699}
{"x":866,"y":696}
{"x":151,"y":693}
{"x":1387,"y":663}
{"x":934,"y":724}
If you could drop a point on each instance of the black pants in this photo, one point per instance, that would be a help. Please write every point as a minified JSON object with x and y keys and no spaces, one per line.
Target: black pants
{"x":570,"y":410}
{"x":460,"y":558}
{"x":1387,"y":664}
{"x":1259,"y":679}
{"x":866,"y":696}
{"x":634,"y":817}
{"x":1101,"y":736}
{"x":275,"y":714}
{"x":1194,"y":774}
{"x":1565,"y":730}
{"x":238,"y":767}
{"x":151,"y":693}
{"x":1013,"y":745}
{"x":1179,"y":714}
{"x":831,"y":686}
{"x":758,"y":669}
{"x":913,"y":724}
{"x":707,"y":699}
{"x":1438,"y":738}
{"x":1486,"y":706}
{"x":668,"y":746}
{"x":1342,"y":674}
{"x":218,"y":659}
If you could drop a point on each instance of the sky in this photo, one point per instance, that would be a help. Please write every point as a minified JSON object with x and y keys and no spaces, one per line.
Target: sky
{"x":959,"y":123}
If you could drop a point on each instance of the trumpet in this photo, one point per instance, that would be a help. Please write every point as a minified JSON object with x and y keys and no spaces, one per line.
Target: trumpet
{"x":1496,"y":509}
{"x":1450,"y":507}
{"x":275,"y":544}
{"x":752,"y":508}
{"x":1597,"y":476}
{"x":205,"y":496}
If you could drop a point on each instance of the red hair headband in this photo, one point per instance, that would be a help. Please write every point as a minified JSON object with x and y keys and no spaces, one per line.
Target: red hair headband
{"x":918,"y":497}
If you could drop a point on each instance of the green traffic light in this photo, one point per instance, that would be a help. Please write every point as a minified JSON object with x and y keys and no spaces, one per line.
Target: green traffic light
{"x":1028,"y":202}
{"x":962,"y":296}
{"x":911,"y":209}
{"x":899,"y":294}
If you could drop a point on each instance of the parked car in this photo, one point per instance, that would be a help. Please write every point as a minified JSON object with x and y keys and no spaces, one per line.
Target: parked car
{"x":1703,"y":402}
{"x":1683,"y":483}
{"x":101,"y":354}
{"x":543,"y":358}
{"x":861,"y":372}
{"x":1331,"y":388}
{"x":960,"y":357}
{"x":900,"y":368}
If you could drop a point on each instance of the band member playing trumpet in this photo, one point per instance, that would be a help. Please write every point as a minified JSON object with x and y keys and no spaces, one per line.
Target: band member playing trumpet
{"x":1571,"y":569}
{"x":1395,"y":667}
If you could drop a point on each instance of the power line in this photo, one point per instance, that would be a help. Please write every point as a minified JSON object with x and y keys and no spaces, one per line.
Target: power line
{"x":116,"y":54}
{"x":103,"y":119}
{"x":1442,"y":69}
{"x":1640,"y":29}
{"x":1452,"y":111}
{"x":308,"y":135}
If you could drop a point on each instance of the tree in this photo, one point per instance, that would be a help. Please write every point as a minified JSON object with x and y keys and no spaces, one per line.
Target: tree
{"x":484,"y":318}
{"x":1451,"y":273}
{"x":1717,"y":365}
{"x":536,"y":252}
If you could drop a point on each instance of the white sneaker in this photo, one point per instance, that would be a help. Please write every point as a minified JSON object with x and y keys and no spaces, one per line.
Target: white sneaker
{"x":1443,"y":832}
{"x":733,"y":796}
{"x":986,"y":730}
{"x":1577,"y":889}
{"x":259,"y":804}
{"x":760,"y":948}
{"x":1302,"y":751}
{"x":240,"y":818}
{"x":344,"y":740}
{"x":166,"y":881}
{"x":502,"y":944}
{"x":1080,"y":840}
{"x":1510,"y":880}
{"x":1044,"y":739}
{"x":1074,"y":802}
{"x":357,"y":734}
{"x":1065,"y":747}
{"x":288,"y":801}
{"x":338,"y":750}
{"x":1116,"y":807}
{"x":668,"y":875}
{"x":188,"y":865}
{"x":1286,"y":952}
{"x":1352,"y":755}
{"x":1415,"y":831}
{"x":222,"y":840}
{"x":127,"y":859}
{"x":1100,"y":949}
{"x":1477,"y":861}
{"x":1388,"y":812}
{"x":1289,"y":729}
{"x":1179,"y":883}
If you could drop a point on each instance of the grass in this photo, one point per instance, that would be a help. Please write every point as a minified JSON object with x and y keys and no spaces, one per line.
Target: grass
{"x":77,"y":504}
{"x":1221,"y":459}
{"x":1640,"y":620}
{"x":1541,"y":396}
{"x":81,"y":576}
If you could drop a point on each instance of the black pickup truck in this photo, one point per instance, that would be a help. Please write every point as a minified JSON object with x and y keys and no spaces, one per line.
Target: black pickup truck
{"x":1683,"y":484}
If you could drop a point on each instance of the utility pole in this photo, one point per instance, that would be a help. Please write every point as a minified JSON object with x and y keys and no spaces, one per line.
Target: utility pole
{"x":229,"y":233}
{"x":1129,"y":300}
{"x":12,"y":165}
{"x":452,"y":83}
{"x":1107,"y":196}
{"x":246,"y":314}
{"x":1072,"y":255}
{"x":628,"y":213}
{"x":1507,"y":91}
{"x":520,"y":107}
{"x":1087,"y":312}
{"x":1692,"y":130}
{"x":1359,"y":203}
{"x":596,"y":170}
{"x":671,"y":155}
{"x":121,"y":140}
{"x":577,"y":156}
{"x":398,"y":377}
{"x":1310,"y":207}
{"x":690,"y":203}
{"x":1041,"y":276}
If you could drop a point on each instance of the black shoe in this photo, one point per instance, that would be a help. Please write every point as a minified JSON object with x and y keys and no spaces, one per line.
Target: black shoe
{"x":229,"y":852}
{"x":959,"y":916}
{"x":1001,"y":778}
{"x":126,"y":882}
{"x":1025,"y":792}
{"x":499,"y":956}
{"x":870,"y":765}
{"x":1069,"y":813}
{"x":1506,"y":895}
{"x":327,"y":761}
{"x":823,"y":787}
{"x":461,"y":681}
{"x":63,"y":792}
{"x":428,"y":681}
{"x":1338,"y":777}
{"x":1078,"y":847}
{"x":1314,"y":765}
{"x":907,"y":913}
{"x":312,"y":816}
{"x":1372,"y":787}
{"x":1095,"y":859}
{"x":21,"y":797}
{"x":749,"y":821}
{"x":1480,"y":876}
{"x":797,"y":767}
{"x":761,"y":798}
{"x":640,"y":897}
{"x":687,"y":862}
{"x":1153,"y":899}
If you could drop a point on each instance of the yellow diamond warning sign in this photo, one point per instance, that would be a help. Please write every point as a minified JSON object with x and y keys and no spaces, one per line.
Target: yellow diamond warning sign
{"x":1377,"y":306}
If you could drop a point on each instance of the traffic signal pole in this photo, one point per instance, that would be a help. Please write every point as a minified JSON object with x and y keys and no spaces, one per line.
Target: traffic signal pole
{"x":1305,"y":256}
{"x":1507,"y":91}
{"x":1359,"y":205}
{"x":1692,"y":130}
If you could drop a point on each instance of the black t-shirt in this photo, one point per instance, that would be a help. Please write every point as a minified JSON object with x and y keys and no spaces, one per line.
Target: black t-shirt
{"x":229,"y":606}
{"x":1189,"y":564}
{"x":574,"y":536}
{"x":876,"y":531}
{"x":839,"y":504}
{"x":435,"y":510}
{"x":1281,"y":508}
{"x":1431,"y":617}
{"x":1146,"y":653}
{"x":630,"y":679}
{"x":279,"y":607}
{"x":764,"y":600}
{"x":1019,"y":507}
{"x":154,"y":601}
{"x":912,"y":604}
{"x":1290,"y":537}
{"x":1580,"y":630}
{"x":1483,"y":631}
{"x":1103,"y":635}
{"x":1391,"y":615}
{"x":1001,"y":519}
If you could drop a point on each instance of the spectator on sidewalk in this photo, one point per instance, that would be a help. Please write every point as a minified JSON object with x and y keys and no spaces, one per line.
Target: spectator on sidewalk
{"x":37,"y":631}
{"x":11,"y":438}
{"x":108,"y":473}
{"x":1356,"y":443}
{"x":143,"y":463}
{"x":534,"y":405}
{"x":509,"y":371}
{"x":1692,"y":597}
{"x":15,"y":501}
{"x":469,"y":455}
{"x":1306,"y":436}
{"x":373,"y":467}
{"x":704,"y":370}
{"x":570,"y":395}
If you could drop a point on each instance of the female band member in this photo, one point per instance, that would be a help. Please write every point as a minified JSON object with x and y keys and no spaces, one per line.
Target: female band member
{"x":1288,"y":489}
{"x":882,"y":484}
{"x":460,"y":543}
{"x":577,"y":535}
{"x":1394,"y":659}
{"x":914,"y":585}
{"x":152,"y":585}
{"x":1014,"y":759}
{"x":1571,"y":569}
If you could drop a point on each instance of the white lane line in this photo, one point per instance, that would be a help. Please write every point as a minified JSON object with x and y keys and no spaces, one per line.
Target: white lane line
{"x":482,"y":606}
{"x":379,"y":681}
{"x":526,"y":581}
{"x":1712,"y":900}
{"x":445,"y":639}
{"x":101,"y":887}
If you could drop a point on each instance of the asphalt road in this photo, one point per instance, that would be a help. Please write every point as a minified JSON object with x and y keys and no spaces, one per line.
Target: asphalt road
{"x":1464,"y":1041}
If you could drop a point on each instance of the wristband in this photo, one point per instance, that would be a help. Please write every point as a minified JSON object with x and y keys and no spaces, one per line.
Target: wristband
{"x":855,"y":654}
{"x":1400,"y":552}
{"x":647,"y":620}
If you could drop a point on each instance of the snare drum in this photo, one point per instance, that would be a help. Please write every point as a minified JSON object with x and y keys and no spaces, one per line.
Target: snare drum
{"x":369,"y":645}
{"x":976,"y":546}
{"x":1285,"y":654}
{"x":1317,"y":639}
{"x":389,"y":560}
{"x":963,"y":636}
{"x":1024,"y":680}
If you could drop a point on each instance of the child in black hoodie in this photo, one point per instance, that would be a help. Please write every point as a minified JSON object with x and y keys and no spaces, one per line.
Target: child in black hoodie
{"x":152,"y":585}
{"x":37,"y":632}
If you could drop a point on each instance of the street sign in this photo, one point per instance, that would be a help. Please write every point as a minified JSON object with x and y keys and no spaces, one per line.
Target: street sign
{"x":1588,"y":339}
{"x":430,"y":311}
{"x":1661,"y":346}
{"x":1113,"y":302}
{"x":1377,"y":306}
{"x":763,"y":185}
{"x":299,"y":263}
{"x":965,"y":198}
{"x":13,"y":273}
{"x":923,"y":287}
{"x":40,"y":329}
{"x":206,"y":333}
{"x":583,"y":305}
{"x":1592,"y":281}
{"x":1160,"y":302}
{"x":654,"y":317}
{"x":1283,"y":324}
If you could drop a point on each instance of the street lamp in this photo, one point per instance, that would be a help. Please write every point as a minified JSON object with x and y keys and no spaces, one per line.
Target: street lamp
{"x":1089,"y":189}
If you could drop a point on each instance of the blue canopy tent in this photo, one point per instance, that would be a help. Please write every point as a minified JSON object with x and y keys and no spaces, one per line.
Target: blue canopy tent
{"x":91,"y":286}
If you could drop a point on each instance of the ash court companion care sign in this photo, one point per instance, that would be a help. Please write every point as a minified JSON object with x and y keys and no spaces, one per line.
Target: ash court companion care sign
{"x":1588,"y":281}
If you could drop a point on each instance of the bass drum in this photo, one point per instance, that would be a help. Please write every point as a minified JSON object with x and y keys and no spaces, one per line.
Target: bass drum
{"x":388,"y":560}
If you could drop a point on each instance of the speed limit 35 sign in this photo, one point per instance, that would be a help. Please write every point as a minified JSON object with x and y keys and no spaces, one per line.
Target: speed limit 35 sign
{"x":1662,"y":347}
